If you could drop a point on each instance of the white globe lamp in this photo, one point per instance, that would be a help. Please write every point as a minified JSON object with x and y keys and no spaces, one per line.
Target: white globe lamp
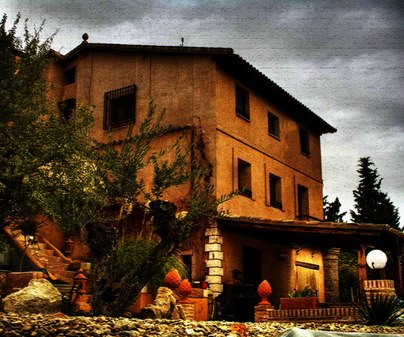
{"x":376,"y":259}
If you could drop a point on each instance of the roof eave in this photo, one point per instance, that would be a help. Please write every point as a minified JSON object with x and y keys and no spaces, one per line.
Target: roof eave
{"x":260,"y":82}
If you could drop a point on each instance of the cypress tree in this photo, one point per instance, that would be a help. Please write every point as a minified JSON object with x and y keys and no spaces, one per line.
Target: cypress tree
{"x":371,"y":204}
{"x":332,"y":210}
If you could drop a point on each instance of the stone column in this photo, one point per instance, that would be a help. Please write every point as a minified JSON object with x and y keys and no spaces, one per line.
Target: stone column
{"x":215,"y":257}
{"x":331,"y":278}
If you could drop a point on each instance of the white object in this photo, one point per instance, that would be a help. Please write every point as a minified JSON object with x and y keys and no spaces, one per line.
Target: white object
{"x":376,"y":259}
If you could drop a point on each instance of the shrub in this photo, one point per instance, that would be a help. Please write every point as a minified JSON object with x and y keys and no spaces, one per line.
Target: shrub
{"x":131,"y":255}
{"x":380,"y":309}
{"x":305,"y":292}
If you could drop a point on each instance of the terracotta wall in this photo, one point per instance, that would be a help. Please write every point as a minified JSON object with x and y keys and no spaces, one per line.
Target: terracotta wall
{"x":250,"y":141}
{"x":194,"y":91}
{"x":304,"y":272}
{"x":276,"y":271}
{"x":278,"y":265}
{"x":177,"y":83}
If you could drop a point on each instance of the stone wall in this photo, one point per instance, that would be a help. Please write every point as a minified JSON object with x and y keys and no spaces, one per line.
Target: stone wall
{"x":382,"y":287}
{"x":333,"y":314}
{"x":215,"y":257}
{"x":331,"y":277}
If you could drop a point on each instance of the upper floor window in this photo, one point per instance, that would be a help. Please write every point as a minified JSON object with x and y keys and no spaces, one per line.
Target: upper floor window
{"x":119,"y":107}
{"x":304,"y":141}
{"x":70,"y":76}
{"x":66,"y":107}
{"x":275,"y":191}
{"x":273,"y":125}
{"x":242,"y":103}
{"x":244,"y":177}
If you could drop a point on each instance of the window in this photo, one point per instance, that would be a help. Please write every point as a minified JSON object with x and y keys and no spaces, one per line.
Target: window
{"x":66,"y":108}
{"x":252,"y":265}
{"x":187,"y":260}
{"x":304,"y":142}
{"x":273,"y":125}
{"x":275,"y":191}
{"x":70,"y":76}
{"x":244,"y":177}
{"x":242,"y":103}
{"x":303,"y":202}
{"x":119,"y":107}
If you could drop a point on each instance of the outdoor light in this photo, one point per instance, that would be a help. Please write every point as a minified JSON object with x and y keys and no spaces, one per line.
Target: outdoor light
{"x":376,"y":259}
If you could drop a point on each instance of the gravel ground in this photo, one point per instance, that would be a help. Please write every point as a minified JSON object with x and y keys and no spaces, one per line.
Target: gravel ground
{"x":59,"y":325}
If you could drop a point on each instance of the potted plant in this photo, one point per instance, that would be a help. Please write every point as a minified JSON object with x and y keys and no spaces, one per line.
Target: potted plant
{"x":305,"y":298}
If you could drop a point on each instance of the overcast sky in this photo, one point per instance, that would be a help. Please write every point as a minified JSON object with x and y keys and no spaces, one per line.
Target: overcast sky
{"x":342,"y":59}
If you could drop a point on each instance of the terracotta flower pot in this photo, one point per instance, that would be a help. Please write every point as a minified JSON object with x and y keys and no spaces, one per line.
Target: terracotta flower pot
{"x":185,"y":290}
{"x":172,"y":279}
{"x":298,"y":303}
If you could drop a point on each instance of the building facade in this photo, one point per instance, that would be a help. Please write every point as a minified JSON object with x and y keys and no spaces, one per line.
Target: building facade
{"x":259,"y":139}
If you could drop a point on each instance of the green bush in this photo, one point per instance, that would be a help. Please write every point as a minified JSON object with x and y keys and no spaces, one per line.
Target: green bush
{"x":380,"y":309}
{"x":305,"y":292}
{"x":132,"y":254}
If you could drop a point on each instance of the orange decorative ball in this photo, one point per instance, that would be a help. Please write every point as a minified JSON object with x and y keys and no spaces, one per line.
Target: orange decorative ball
{"x":264,"y":290}
{"x":172,"y":279}
{"x":185,"y":289}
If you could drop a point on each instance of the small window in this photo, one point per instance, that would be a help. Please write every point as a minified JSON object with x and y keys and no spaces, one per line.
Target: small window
{"x":244,"y":178}
{"x":242,"y":103}
{"x":273,"y":125}
{"x":67,"y":107}
{"x":187,"y":260}
{"x":275,"y":191}
{"x":119,"y":107}
{"x":304,"y":142}
{"x":70,"y":76}
{"x":303,"y":202}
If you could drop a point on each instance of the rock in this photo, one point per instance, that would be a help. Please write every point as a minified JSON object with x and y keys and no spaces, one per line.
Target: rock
{"x":40,"y":296}
{"x":164,"y":306}
{"x":51,"y":325}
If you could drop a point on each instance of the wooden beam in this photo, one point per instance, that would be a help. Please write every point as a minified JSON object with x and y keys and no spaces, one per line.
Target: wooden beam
{"x":398,"y":275}
{"x":307,"y":265}
{"x":362,"y":266}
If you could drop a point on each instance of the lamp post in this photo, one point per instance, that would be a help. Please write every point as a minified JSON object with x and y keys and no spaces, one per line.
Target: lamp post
{"x":377,"y":259}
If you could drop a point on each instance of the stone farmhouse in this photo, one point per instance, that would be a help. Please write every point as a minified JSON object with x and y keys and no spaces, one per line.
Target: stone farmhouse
{"x":257,"y":136}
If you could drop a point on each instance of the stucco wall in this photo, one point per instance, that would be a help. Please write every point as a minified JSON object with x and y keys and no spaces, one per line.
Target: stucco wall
{"x":279,"y":265}
{"x":250,"y":141}
{"x":194,"y":91}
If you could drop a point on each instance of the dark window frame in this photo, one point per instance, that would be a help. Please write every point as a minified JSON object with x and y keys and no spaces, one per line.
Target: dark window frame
{"x":304,"y":141}
{"x":303,"y":203}
{"x":242,"y":103}
{"x":70,"y":76}
{"x":244,"y":176}
{"x":67,"y":107}
{"x":275,"y":191}
{"x":273,"y":125}
{"x":120,"y":107}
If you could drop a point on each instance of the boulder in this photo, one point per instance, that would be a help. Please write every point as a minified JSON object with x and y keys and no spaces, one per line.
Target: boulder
{"x":40,"y":296}
{"x":164,"y":306}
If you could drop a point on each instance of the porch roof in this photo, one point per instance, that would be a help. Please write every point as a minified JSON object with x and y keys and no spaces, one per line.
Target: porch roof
{"x":316,"y":233}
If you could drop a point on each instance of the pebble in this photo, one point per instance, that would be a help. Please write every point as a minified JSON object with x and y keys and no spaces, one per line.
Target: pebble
{"x":69,"y":326}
